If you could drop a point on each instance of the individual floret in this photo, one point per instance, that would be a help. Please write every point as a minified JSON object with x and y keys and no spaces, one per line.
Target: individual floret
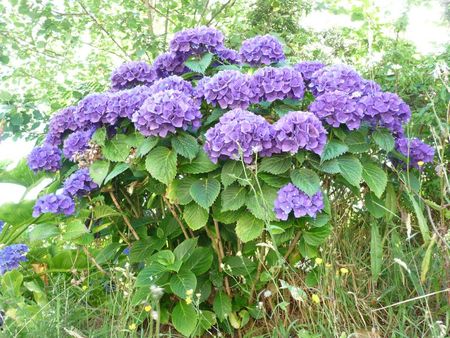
{"x":261,"y":50}
{"x":79,"y":183}
{"x":416,"y":151}
{"x":279,"y":84}
{"x":11,"y":256}
{"x":47,"y":158}
{"x":77,"y":142}
{"x":60,"y":123}
{"x":54,"y":204}
{"x":291,"y":199}
{"x":196,"y":41}
{"x":132,"y":74}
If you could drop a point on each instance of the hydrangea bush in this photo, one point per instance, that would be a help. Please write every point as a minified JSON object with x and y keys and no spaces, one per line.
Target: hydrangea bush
{"x":209,"y":166}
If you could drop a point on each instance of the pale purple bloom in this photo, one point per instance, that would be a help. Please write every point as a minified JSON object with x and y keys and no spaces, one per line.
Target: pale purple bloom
{"x":239,"y":133}
{"x":199,"y":90}
{"x":132,"y":74}
{"x":77,"y":142}
{"x":291,"y":199}
{"x":261,"y":50}
{"x":279,"y":83}
{"x":165,"y":112}
{"x":79,"y":183}
{"x":228,"y":55}
{"x":299,"y":130}
{"x":11,"y":256}
{"x":307,"y":68}
{"x":54,"y":204}
{"x":416,"y":151}
{"x":168,"y":64}
{"x":91,"y":109}
{"x":173,"y":82}
{"x":196,"y":41}
{"x":60,"y":123}
{"x":46,"y":157}
{"x":336,"y":77}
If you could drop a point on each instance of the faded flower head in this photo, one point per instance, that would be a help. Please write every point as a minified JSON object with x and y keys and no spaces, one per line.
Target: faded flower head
{"x":165,"y":112}
{"x":77,"y":142}
{"x":290,"y":198}
{"x":261,"y":50}
{"x":79,"y":183}
{"x":299,"y":130}
{"x":307,"y":68}
{"x":60,"y":123}
{"x":417,"y":152}
{"x":11,"y":256}
{"x":168,"y":64}
{"x":47,"y":158}
{"x":91,"y":109}
{"x":239,"y":133}
{"x":132,"y":74}
{"x":279,"y":83}
{"x":196,"y":41}
{"x":54,"y":204}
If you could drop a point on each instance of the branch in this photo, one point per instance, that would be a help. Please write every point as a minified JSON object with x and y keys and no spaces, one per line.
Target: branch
{"x":125,"y":218}
{"x":221,"y":255}
{"x":229,"y":2}
{"x":174,"y":214}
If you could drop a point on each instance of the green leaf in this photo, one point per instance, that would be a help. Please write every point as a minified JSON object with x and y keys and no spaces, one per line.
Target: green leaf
{"x":184,"y":318}
{"x":101,"y":211}
{"x":425,"y":266}
{"x":117,"y":149}
{"x":178,"y":191}
{"x":306,"y":180}
{"x":233,"y":197}
{"x":333,"y":149}
{"x":17,"y":214}
{"x":222,"y":305}
{"x":148,"y":144}
{"x":231,"y":172}
{"x":98,"y":171}
{"x":182,"y":282}
{"x":199,"y":165}
{"x":374,"y":205}
{"x":184,"y":250}
{"x":195,"y":216}
{"x":117,"y":170}
{"x":22,"y":175}
{"x":74,"y":229}
{"x":261,"y":204}
{"x":107,"y":253}
{"x":375,"y":177}
{"x":249,"y":227}
{"x":205,"y":191}
{"x":330,"y":167}
{"x":351,"y":169}
{"x":423,"y":226}
{"x":276,"y":164}
{"x":185,"y":145}
{"x":356,"y":142}
{"x":316,"y":236}
{"x":200,"y":261}
{"x":43,"y":231}
{"x":376,"y":252}
{"x":161,"y":163}
{"x":384,"y":139}
{"x":99,"y":136}
{"x":199,"y":66}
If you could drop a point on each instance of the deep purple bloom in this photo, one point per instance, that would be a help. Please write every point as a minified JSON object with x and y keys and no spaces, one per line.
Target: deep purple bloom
{"x":336,"y":108}
{"x":239,"y":133}
{"x":336,"y":77}
{"x":77,"y":142}
{"x":54,"y":204}
{"x":196,"y":41}
{"x":60,"y":123}
{"x":279,"y":83}
{"x":261,"y":50}
{"x":11,"y":256}
{"x":124,"y":103}
{"x":132,"y":74}
{"x":46,"y":157}
{"x":299,"y":130}
{"x":79,"y":183}
{"x":290,"y":198}
{"x":165,"y":112}
{"x":173,"y":82}
{"x":417,"y":152}
{"x":230,"y":89}
{"x":307,"y":68}
{"x":228,"y":55}
{"x":91,"y":109}
{"x":168,"y":64}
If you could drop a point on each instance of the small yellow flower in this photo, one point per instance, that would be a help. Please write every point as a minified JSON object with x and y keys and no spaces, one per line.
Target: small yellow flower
{"x":319,"y":261}
{"x":132,"y":326}
{"x":420,"y":163}
{"x":343,"y":271}
{"x":315,"y":298}
{"x":84,"y":287}
{"x":148,"y":308}
{"x":188,"y":300}
{"x":189,"y":292}
{"x":328,"y":265}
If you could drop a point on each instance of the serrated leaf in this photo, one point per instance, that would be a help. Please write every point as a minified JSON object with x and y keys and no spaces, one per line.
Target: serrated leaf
{"x":330,"y":167}
{"x":205,"y":191}
{"x":74,"y":229}
{"x":201,"y":65}
{"x":384,"y":139}
{"x":99,"y":136}
{"x":98,"y":171}
{"x":356,"y":142}
{"x":199,"y":165}
{"x":375,"y":177}
{"x":200,"y":261}
{"x":195,"y":216}
{"x":222,"y":305}
{"x":117,"y":170}
{"x":185,"y":145}
{"x":333,"y":149}
{"x":249,"y":227}
{"x":148,"y":144}
{"x":261,"y":205}
{"x":351,"y":169}
{"x":316,"y":236}
{"x":117,"y":149}
{"x":184,"y":318}
{"x":276,"y":164}
{"x":374,"y":205}
{"x":233,"y":197}
{"x":231,"y":171}
{"x":178,"y":190}
{"x":182,"y":282}
{"x":306,"y":180}
{"x":161,"y":163}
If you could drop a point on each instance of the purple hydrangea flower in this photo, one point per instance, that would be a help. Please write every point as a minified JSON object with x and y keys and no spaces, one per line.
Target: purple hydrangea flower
{"x":239,"y":133}
{"x":79,"y":183}
{"x":132,"y":74}
{"x":290,"y":198}
{"x":91,"y":109}
{"x":173,"y":82}
{"x":199,"y":90}
{"x":124,"y":103}
{"x":168,"y":64}
{"x":336,"y":108}
{"x":77,"y":142}
{"x":230,"y":89}
{"x":307,"y":68}
{"x":336,"y":77}
{"x":60,"y":123}
{"x":2,"y":224}
{"x":228,"y":55}
{"x":196,"y":41}
{"x":369,"y":87}
{"x":46,"y":157}
{"x":54,"y":204}
{"x":299,"y":130}
{"x":279,"y":83}
{"x":11,"y":256}
{"x":416,"y":151}
{"x":165,"y":112}
{"x":261,"y":50}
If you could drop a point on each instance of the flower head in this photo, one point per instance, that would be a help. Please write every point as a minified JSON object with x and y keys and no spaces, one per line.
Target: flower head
{"x":124,"y":103}
{"x":307,"y":68}
{"x":199,"y":90}
{"x":165,"y":112}
{"x":47,"y":157}
{"x":261,"y":50}
{"x":168,"y":64}
{"x":239,"y":132}
{"x":132,"y":74}
{"x":79,"y":183}
{"x":196,"y":41}
{"x":416,"y":151}
{"x":54,"y":204}
{"x":299,"y":130}
{"x":60,"y":123}
{"x":291,"y":199}
{"x":173,"y":82}
{"x":11,"y":256}
{"x":77,"y":142}
{"x":228,"y":55}
{"x":91,"y":109}
{"x":279,"y":83}
{"x":2,"y":224}
{"x":336,"y":77}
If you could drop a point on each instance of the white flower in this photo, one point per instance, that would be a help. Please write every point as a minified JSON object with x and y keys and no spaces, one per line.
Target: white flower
{"x":267,"y":293}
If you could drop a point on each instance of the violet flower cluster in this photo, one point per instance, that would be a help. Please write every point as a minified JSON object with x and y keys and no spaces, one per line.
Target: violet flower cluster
{"x":196,"y":41}
{"x":46,"y":157}
{"x":132,"y":74}
{"x":61,"y":122}
{"x":2,"y":224}
{"x":90,"y":111}
{"x":307,"y":68}
{"x":239,"y":133}
{"x":77,"y":142}
{"x":336,"y":77}
{"x":168,"y":64}
{"x":291,"y":199}
{"x":261,"y":50}
{"x":166,"y":111}
{"x":54,"y":204}
{"x":417,"y":152}
{"x":279,"y":84}
{"x":173,"y":82}
{"x":79,"y":183}
{"x":11,"y":256}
